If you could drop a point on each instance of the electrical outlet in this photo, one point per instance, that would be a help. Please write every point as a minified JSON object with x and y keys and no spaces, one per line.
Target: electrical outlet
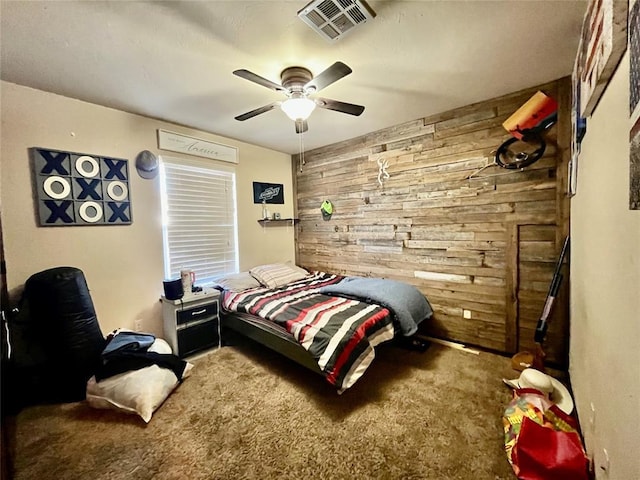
{"x":138,"y":325}
{"x":466,"y":314}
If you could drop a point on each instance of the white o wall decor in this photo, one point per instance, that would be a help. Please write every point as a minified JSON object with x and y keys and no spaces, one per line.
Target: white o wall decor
{"x":53,"y":180}
{"x":80,"y":166}
{"x":78,"y":189}
{"x":117,"y":191}
{"x":93,"y":215}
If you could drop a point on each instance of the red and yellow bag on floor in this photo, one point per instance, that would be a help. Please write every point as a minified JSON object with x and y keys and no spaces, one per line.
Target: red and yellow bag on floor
{"x":541,"y":441}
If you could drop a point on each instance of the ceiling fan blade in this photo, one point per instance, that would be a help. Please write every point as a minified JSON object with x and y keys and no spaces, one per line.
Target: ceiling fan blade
{"x":338,"y":106}
{"x":332,"y":74}
{"x":257,"y":111}
{"x":252,"y":77}
{"x":301,"y":126}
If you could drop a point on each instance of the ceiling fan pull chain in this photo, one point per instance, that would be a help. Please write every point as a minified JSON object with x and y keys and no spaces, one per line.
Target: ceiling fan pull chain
{"x":301,"y":149}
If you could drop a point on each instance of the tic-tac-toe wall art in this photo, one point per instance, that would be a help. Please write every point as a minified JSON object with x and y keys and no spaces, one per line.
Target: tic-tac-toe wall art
{"x":80,"y":189}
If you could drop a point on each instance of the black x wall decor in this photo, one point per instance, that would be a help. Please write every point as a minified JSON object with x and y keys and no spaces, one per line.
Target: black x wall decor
{"x":80,"y":189}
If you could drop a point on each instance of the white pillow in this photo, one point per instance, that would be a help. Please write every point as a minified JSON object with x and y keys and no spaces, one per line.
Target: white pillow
{"x":238,"y":282}
{"x":138,"y":392}
{"x":277,"y":274}
{"x":298,"y":269}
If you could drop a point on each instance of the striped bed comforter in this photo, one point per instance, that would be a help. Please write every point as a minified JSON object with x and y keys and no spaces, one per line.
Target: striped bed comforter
{"x":339,"y":333}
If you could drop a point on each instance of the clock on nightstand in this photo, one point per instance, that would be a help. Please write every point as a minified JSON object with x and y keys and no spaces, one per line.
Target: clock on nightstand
{"x":192,"y":323}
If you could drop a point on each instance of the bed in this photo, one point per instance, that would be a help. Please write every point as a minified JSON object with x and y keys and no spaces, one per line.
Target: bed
{"x":329,"y":323}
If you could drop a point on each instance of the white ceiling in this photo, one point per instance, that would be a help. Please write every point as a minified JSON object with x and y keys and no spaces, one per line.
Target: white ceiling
{"x":173,"y":60}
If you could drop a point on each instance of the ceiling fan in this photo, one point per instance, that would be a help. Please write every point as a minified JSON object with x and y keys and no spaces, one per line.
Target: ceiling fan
{"x":298,"y":83}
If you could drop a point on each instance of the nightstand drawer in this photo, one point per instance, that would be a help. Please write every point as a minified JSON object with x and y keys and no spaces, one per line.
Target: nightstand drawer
{"x":198,"y":336}
{"x":193,"y":314}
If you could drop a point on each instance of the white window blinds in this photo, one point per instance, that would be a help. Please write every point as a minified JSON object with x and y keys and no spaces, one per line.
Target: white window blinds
{"x":199,"y":219}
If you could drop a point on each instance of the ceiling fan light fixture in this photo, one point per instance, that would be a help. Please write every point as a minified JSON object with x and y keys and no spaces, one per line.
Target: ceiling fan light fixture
{"x":297,"y":84}
{"x":298,"y":108}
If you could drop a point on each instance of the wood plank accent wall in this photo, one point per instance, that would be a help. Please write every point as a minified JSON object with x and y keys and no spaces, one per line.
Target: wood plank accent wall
{"x":487,"y":244}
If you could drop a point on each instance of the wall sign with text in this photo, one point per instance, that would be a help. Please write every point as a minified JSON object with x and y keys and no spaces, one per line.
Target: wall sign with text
{"x":176,"y":142}
{"x":78,"y":189}
{"x":268,"y":192}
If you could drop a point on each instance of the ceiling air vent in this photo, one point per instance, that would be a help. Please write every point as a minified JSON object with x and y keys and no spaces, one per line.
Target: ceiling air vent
{"x":333,"y":19}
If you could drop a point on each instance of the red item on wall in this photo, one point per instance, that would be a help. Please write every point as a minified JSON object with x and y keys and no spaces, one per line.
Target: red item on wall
{"x":535,"y":110}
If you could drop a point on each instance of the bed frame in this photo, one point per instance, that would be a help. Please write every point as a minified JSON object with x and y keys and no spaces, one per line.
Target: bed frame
{"x":270,"y":335}
{"x":276,"y":338}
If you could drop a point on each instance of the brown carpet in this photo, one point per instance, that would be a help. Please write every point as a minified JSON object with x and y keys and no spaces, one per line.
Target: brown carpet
{"x":247,"y":413}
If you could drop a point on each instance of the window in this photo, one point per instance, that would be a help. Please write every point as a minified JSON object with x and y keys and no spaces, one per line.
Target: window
{"x":199,"y":218}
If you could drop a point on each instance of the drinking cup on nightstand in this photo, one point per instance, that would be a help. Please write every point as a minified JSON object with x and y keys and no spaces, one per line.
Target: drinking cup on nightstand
{"x":188,"y":278}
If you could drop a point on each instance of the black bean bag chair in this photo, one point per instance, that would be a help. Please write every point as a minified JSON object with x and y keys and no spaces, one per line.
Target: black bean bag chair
{"x":56,"y":339}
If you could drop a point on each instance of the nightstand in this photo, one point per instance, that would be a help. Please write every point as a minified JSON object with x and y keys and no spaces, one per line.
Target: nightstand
{"x":192,"y":323}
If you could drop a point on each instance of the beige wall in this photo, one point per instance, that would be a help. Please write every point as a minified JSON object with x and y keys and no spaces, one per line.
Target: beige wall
{"x":605,"y":288}
{"x":123,"y":264}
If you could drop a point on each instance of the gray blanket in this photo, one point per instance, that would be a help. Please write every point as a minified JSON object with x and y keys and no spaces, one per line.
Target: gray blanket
{"x":405,"y":301}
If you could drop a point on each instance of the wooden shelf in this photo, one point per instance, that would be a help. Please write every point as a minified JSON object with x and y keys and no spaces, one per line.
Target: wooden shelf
{"x":281,"y":221}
